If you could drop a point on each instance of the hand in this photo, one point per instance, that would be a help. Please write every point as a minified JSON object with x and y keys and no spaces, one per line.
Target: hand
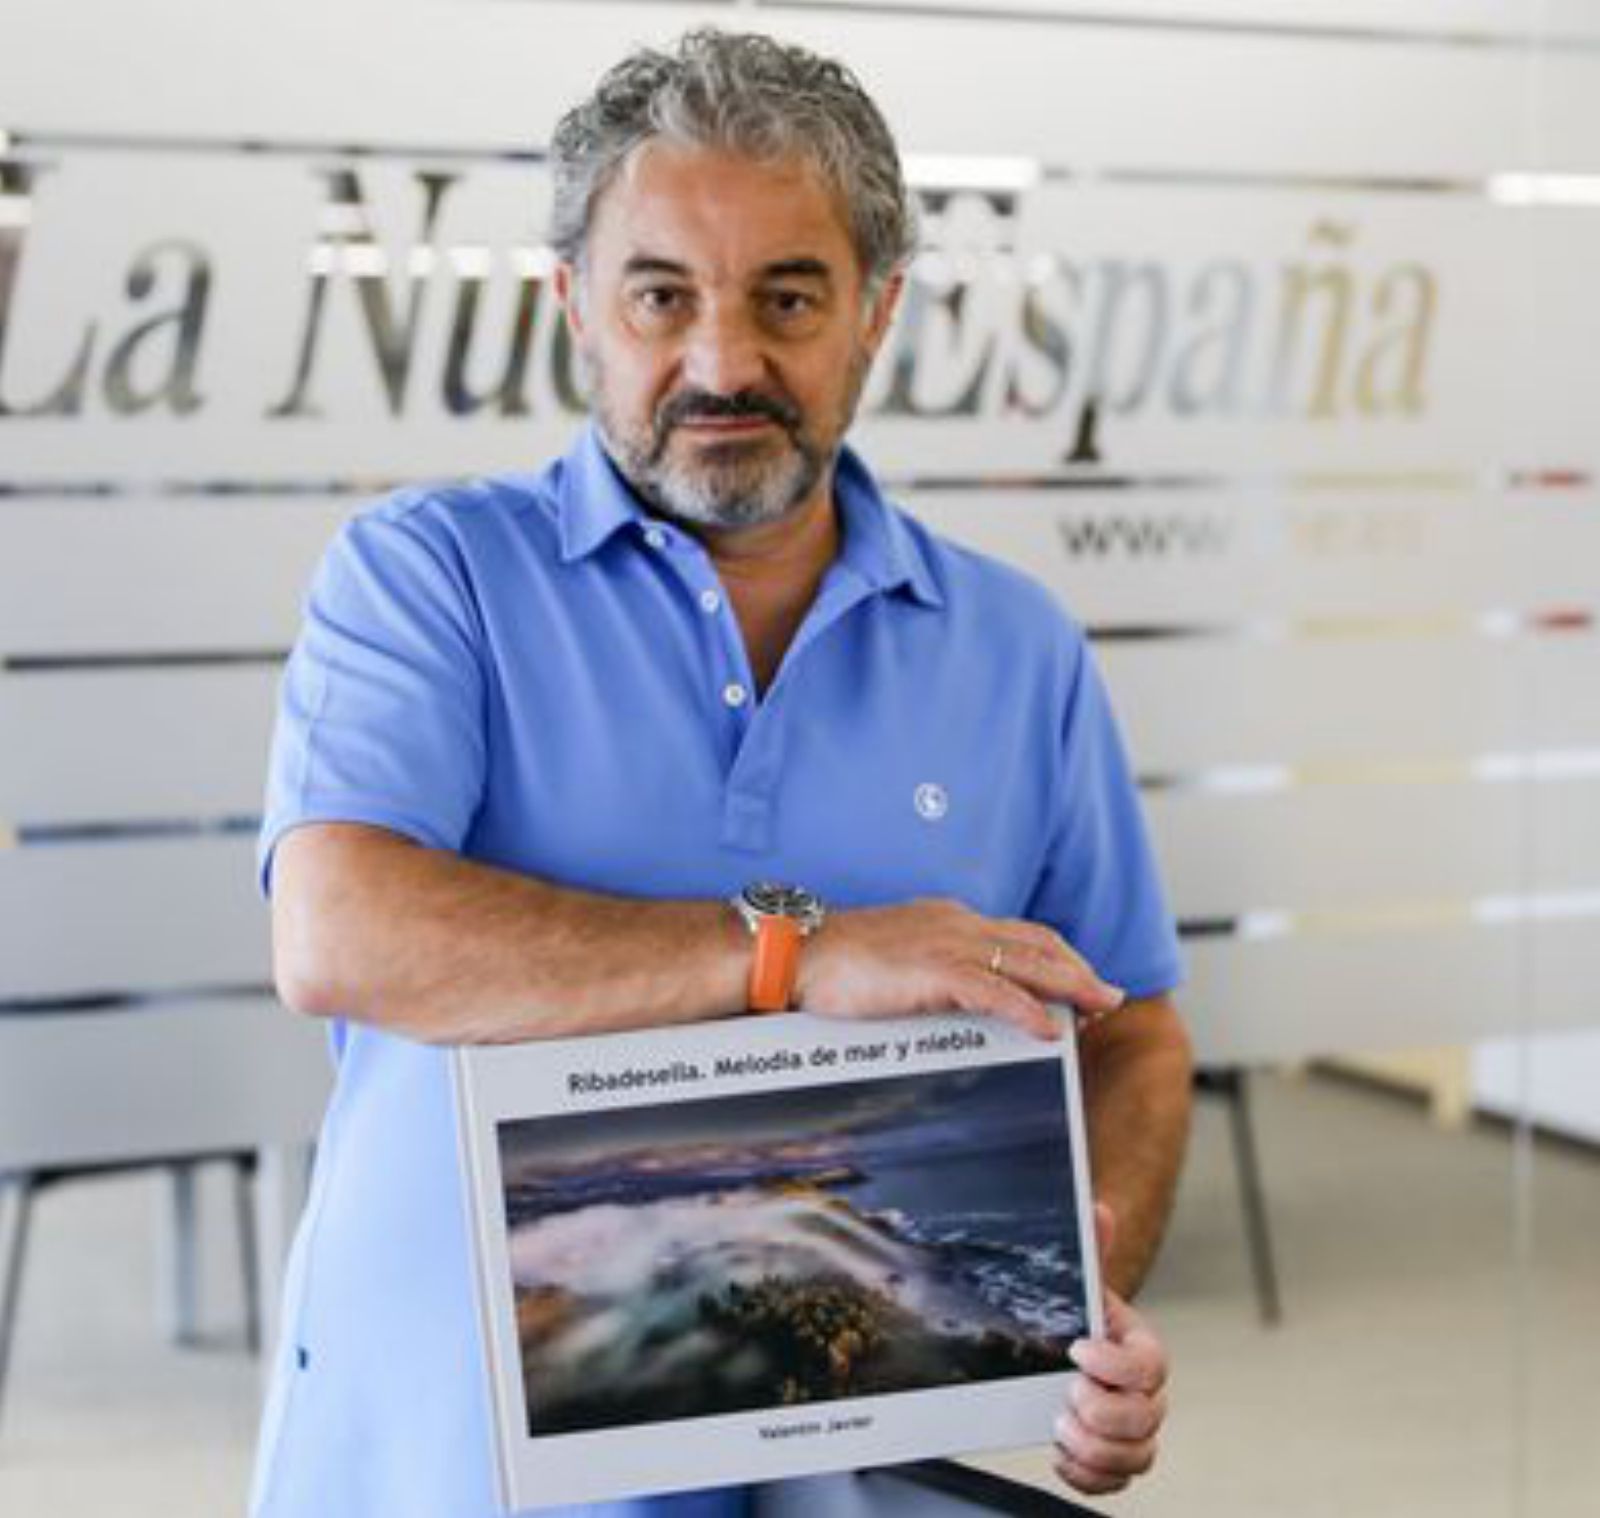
{"x":1116,"y":1402}
{"x":939,"y":956}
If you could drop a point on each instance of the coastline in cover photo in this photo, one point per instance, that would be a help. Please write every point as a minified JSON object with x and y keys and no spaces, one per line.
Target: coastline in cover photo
{"x":704,"y":1257}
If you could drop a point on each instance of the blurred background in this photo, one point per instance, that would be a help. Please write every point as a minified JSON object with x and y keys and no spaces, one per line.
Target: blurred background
{"x":1263,"y":331}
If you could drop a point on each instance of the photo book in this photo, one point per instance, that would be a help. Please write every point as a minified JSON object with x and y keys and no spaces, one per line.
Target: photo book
{"x":767,"y":1247}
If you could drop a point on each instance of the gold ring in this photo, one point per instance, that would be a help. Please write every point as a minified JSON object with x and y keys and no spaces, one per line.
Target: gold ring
{"x":997,"y":959}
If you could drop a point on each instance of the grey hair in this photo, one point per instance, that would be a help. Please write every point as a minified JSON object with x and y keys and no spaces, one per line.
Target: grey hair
{"x":748,"y":94}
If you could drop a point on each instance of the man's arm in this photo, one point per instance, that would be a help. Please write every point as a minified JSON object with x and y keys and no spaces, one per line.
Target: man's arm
{"x":372,"y":926}
{"x":1137,"y":1080}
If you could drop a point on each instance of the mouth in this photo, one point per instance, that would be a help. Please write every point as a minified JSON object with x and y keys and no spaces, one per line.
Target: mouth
{"x":726,"y":426}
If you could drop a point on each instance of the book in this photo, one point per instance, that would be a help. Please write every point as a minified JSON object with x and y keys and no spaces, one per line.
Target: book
{"x":767,"y":1247}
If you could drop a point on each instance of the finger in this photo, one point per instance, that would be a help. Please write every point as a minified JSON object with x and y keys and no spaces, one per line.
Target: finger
{"x":1116,"y":1414}
{"x":1124,"y":1325}
{"x":1051,"y":980}
{"x":1047,"y":941}
{"x":1090,"y":1483}
{"x":1050,"y":947}
{"x":1048,"y":966}
{"x":979,"y":991}
{"x":1135,"y":1363}
{"x":1111,"y":1457}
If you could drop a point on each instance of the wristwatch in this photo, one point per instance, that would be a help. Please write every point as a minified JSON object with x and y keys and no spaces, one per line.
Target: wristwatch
{"x":778,"y":916}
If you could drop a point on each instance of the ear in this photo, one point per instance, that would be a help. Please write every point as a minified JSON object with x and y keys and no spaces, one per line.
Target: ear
{"x":568,"y":287}
{"x":881,"y":310}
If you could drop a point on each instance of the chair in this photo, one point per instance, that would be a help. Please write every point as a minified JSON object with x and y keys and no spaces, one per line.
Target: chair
{"x":86,"y":1093}
{"x":1231,"y":1084}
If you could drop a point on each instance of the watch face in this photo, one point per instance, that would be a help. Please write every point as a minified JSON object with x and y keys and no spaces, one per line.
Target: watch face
{"x":771,"y":899}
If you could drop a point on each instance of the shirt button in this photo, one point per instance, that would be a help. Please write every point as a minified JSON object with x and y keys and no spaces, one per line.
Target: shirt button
{"x":735,"y":694}
{"x":710,"y":602}
{"x":655,"y":537}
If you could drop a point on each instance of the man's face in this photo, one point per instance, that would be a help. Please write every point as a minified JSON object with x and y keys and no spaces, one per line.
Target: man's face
{"x":721,"y":315}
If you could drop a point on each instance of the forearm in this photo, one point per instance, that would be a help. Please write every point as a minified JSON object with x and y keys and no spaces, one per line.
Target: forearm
{"x":369,"y":926}
{"x":1137,"y":1073}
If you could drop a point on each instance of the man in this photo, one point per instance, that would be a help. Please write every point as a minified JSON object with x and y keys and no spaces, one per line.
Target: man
{"x":539,"y":730}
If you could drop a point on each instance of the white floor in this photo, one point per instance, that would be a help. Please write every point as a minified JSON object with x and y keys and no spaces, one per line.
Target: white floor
{"x":1420,"y":1370}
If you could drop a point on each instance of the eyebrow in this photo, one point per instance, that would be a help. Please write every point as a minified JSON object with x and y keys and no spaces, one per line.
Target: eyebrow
{"x":798,"y":268}
{"x":803,"y":267}
{"x":649,"y":263}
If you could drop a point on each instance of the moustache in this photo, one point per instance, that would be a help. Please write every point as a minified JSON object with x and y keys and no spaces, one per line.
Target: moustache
{"x":692,"y":405}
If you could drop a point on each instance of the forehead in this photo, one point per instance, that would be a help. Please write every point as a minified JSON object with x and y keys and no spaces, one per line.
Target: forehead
{"x":720,"y":214}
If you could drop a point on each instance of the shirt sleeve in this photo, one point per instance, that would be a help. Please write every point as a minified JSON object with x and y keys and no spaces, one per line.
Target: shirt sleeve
{"x":1100,"y":886}
{"x":381,"y":712}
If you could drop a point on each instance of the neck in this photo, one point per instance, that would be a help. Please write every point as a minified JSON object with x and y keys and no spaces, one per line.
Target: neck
{"x":771,"y":572}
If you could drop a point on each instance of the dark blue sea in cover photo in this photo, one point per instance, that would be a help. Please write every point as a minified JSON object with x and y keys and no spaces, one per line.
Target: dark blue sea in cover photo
{"x":703,"y":1257}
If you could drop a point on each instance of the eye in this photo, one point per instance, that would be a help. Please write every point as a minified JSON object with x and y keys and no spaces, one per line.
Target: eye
{"x":660,"y":302}
{"x":792,"y":312}
{"x":787,"y":305}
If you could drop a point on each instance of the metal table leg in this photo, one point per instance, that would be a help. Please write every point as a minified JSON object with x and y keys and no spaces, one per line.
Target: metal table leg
{"x":16,"y":1208}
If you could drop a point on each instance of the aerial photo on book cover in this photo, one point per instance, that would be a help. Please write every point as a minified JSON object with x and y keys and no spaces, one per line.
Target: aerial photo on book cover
{"x":791,"y":1245}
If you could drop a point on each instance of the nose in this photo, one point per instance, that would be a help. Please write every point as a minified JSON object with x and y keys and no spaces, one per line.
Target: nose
{"x":723,"y":353}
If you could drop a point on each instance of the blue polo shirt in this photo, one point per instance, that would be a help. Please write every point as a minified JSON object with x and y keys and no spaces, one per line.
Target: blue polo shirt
{"x":532,"y":672}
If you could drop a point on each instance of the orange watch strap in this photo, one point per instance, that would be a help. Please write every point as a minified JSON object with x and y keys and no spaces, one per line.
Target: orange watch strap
{"x":777,"y":962}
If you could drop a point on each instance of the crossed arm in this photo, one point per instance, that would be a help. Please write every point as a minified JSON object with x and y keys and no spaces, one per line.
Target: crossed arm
{"x":370,"y":926}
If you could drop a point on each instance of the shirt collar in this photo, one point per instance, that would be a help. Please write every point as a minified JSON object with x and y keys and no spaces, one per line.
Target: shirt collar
{"x":878,"y":545}
{"x":596,"y":502}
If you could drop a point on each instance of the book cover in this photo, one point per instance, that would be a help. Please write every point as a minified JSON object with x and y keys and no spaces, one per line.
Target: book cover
{"x":766,"y":1247}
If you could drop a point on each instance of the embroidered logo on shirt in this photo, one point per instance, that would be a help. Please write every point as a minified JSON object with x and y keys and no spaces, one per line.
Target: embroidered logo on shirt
{"x":931,"y":801}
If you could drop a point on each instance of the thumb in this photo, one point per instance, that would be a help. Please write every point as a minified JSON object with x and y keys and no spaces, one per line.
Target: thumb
{"x":1115,"y":1311}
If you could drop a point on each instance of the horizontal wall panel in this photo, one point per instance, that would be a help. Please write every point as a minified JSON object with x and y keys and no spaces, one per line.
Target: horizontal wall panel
{"x":1296,"y":997}
{"x":1545,"y":551}
{"x":1442,"y":22}
{"x":1561,"y":696}
{"x":1186,"y":558}
{"x":200,"y":750}
{"x":1550,"y":1079}
{"x":1446,"y":109}
{"x":1184,"y":706}
{"x":140,"y":575}
{"x":162,"y":1080}
{"x":1420,"y":561}
{"x":1400,"y":850}
{"x":147,"y":916}
{"x":1189,"y":706}
{"x":1352,"y":324}
{"x":1563,"y":107}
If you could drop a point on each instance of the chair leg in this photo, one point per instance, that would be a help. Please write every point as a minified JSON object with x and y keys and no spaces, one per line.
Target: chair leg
{"x":1235,"y":1086}
{"x":183,"y":1309}
{"x":244,"y":1205}
{"x":283,"y":1174}
{"x":16,"y":1208}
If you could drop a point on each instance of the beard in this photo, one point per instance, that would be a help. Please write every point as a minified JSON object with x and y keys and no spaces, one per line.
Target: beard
{"x":730,"y":483}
